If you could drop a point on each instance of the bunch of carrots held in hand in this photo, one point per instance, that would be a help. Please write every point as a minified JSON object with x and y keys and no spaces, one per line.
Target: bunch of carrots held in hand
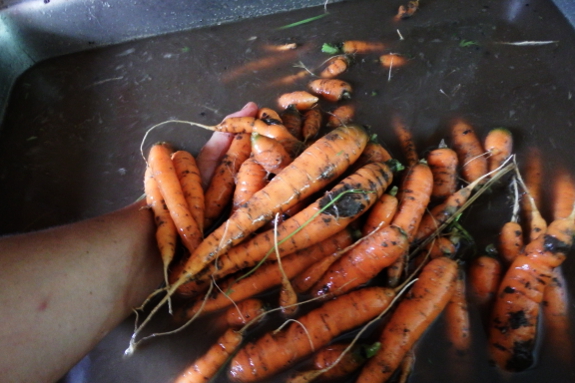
{"x":318,"y":209}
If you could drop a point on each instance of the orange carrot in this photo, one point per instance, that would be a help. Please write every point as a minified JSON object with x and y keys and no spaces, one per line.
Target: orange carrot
{"x":220,"y":191}
{"x":510,"y":244}
{"x":361,"y":47}
{"x":292,"y":120}
{"x":392,"y":60}
{"x":514,"y":321}
{"x":533,"y":177}
{"x":457,"y":317}
{"x":469,"y":150}
{"x":499,"y":145}
{"x":563,"y":194}
{"x":443,"y":164}
{"x":442,"y":246}
{"x":268,"y":114}
{"x":269,"y":153}
{"x":302,"y":100}
{"x":405,"y":140}
{"x":163,"y":171}
{"x":331,"y":89}
{"x":335,"y":66}
{"x":341,"y":115}
{"x":166,"y":233}
{"x":485,"y":273}
{"x":413,"y":315}
{"x":244,"y":312}
{"x":312,"y":122}
{"x":276,"y":351}
{"x":250,"y":178}
{"x":191,"y":182}
{"x":384,"y":247}
{"x":373,"y":152}
{"x":381,"y":213}
{"x":268,"y":275}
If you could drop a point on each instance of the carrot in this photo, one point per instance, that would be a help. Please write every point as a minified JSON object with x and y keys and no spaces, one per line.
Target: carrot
{"x":514,"y":321}
{"x":374,"y":152}
{"x":392,"y":60}
{"x":442,"y":246}
{"x":329,"y":214}
{"x":312,"y":122}
{"x":335,"y":66}
{"x":302,"y":100}
{"x":457,"y":317}
{"x":266,"y":62}
{"x":220,"y":191}
{"x":405,"y":140}
{"x":537,"y":224}
{"x":443,"y":164}
{"x":244,"y":312}
{"x":205,"y":367}
{"x":406,"y":366}
{"x":269,"y":153}
{"x":268,"y":275}
{"x":191,"y":183}
{"x":250,"y":178}
{"x":384,"y":247}
{"x":499,"y":145}
{"x":166,"y":233}
{"x":276,"y":351}
{"x":361,"y":47}
{"x":163,"y":171}
{"x":292,"y":120}
{"x":485,"y":273}
{"x":533,"y":179}
{"x":563,"y":194}
{"x":413,"y":315}
{"x":510,"y":244}
{"x":331,"y":89}
{"x":381,"y":213}
{"x":268,"y":114}
{"x":341,"y":115}
{"x":556,"y":317}
{"x":469,"y":149}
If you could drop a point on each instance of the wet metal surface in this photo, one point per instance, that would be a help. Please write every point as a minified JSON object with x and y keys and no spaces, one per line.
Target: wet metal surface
{"x":70,"y":139}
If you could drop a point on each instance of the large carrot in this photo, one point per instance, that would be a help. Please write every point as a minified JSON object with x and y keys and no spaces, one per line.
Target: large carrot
{"x":191,"y":182}
{"x":328,"y":215}
{"x":220,"y":191}
{"x":413,"y":315}
{"x":384,"y":247}
{"x":276,"y":351}
{"x":163,"y":171}
{"x":514,"y":321}
{"x":469,"y":150}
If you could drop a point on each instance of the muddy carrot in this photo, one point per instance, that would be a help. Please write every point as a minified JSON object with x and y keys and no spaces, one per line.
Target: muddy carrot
{"x":163,"y":171}
{"x":499,"y":145}
{"x":514,"y":320}
{"x":292,"y":119}
{"x":470,"y":152}
{"x":335,"y":66}
{"x":457,"y":317}
{"x":413,"y":315}
{"x":302,"y":100}
{"x":269,"y":153}
{"x":220,"y":191}
{"x":268,"y":114}
{"x":276,"y":351}
{"x":331,"y":89}
{"x":250,"y":178}
{"x":312,"y":122}
{"x":166,"y":233}
{"x":341,"y":115}
{"x":443,"y":164}
{"x":556,"y":319}
{"x":191,"y":182}
{"x":510,"y":241}
{"x":405,"y":138}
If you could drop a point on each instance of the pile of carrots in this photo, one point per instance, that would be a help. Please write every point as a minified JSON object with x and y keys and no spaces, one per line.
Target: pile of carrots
{"x":314,"y":207}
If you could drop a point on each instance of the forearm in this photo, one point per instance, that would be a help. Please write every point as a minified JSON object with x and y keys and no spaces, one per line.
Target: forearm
{"x":63,"y":289}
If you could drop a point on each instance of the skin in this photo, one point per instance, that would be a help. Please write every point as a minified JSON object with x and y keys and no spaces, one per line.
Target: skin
{"x":63,"y":289}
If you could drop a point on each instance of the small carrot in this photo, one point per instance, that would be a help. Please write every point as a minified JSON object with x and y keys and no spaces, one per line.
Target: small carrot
{"x":499,"y":145}
{"x":268,"y":114}
{"x":469,"y":150}
{"x":269,"y":153}
{"x":163,"y":171}
{"x":191,"y":183}
{"x":392,"y":60}
{"x":276,"y":351}
{"x":244,"y":312}
{"x":331,"y":89}
{"x":335,"y":66}
{"x":250,"y":178}
{"x":514,"y":321}
{"x":292,"y":119}
{"x":302,"y":100}
{"x":413,"y":315}
{"x":269,"y":275}
{"x":510,"y":244}
{"x":443,"y":164}
{"x":361,"y":47}
{"x":166,"y":233}
{"x":406,"y":142}
{"x":220,"y":191}
{"x":312,"y":122}
{"x":341,"y":115}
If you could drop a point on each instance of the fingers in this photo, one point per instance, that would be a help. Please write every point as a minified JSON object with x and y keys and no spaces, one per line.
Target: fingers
{"x":218,"y":144}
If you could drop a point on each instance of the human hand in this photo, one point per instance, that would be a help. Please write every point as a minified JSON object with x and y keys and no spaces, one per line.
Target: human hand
{"x":218,"y":144}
